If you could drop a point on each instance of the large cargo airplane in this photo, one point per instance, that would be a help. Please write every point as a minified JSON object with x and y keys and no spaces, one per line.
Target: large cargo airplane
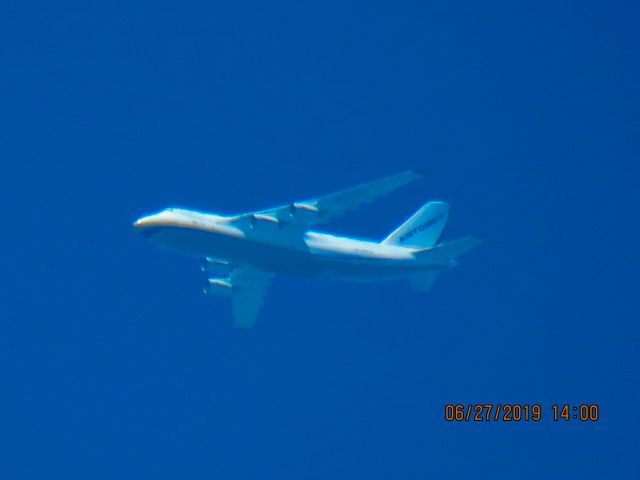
{"x":242,"y":253}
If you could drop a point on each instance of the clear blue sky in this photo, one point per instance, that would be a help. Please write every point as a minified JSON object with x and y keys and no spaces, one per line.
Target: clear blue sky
{"x":525,"y":117}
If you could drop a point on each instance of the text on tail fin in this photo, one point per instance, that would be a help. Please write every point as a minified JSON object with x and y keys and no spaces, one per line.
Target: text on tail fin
{"x":423,"y":229}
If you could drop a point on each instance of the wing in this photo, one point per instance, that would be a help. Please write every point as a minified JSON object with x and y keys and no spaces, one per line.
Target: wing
{"x":323,"y":209}
{"x":246,"y":285}
{"x":250,"y":286}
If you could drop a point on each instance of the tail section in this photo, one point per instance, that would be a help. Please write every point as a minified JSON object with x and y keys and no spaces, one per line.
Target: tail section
{"x":442,"y":258}
{"x":423,"y":229}
{"x":445,"y":253}
{"x":422,"y":282}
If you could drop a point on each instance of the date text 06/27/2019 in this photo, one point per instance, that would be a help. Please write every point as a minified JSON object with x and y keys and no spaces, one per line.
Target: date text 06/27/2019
{"x":515,"y":412}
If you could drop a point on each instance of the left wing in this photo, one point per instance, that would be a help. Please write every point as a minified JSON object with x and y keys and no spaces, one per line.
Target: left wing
{"x":322,"y":209}
{"x":247,"y":287}
{"x":250,"y":288}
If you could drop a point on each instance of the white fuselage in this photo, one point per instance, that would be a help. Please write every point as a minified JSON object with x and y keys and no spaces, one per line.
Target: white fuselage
{"x":277,"y":249}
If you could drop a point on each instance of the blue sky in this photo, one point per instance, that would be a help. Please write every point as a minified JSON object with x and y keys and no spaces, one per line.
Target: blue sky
{"x":524,"y":117}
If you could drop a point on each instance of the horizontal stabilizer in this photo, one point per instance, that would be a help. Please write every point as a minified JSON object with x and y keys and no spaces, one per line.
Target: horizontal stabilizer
{"x":448,"y":251}
{"x":422,"y":282}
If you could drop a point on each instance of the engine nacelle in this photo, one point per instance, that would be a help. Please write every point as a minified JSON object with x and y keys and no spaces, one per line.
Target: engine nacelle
{"x":215,"y":267}
{"x":303,"y":211}
{"x":218,"y":286}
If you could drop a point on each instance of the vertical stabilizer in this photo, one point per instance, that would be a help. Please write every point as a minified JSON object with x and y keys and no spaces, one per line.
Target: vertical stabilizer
{"x":423,"y":229}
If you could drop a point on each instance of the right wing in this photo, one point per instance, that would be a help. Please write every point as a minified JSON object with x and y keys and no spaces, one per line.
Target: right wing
{"x":323,"y":209}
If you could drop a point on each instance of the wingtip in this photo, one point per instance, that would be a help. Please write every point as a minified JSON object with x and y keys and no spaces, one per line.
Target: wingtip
{"x":480,"y":239}
{"x":243,"y":328}
{"x":410,"y":175}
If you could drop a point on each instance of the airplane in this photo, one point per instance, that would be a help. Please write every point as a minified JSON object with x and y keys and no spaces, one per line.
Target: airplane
{"x":242,"y":253}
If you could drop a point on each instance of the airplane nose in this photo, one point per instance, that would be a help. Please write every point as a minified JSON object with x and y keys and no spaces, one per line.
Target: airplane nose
{"x":144,"y":224}
{"x":141,"y":223}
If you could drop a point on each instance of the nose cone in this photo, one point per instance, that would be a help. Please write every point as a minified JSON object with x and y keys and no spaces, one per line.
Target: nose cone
{"x":141,"y":223}
{"x":146,"y":222}
{"x":150,"y":224}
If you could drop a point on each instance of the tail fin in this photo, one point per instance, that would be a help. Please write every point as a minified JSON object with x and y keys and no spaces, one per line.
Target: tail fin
{"x":423,"y":229}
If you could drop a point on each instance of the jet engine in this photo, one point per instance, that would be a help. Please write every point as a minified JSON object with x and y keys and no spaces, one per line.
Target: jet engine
{"x":215,"y":267}
{"x":217,"y":286}
{"x":303,"y":211}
